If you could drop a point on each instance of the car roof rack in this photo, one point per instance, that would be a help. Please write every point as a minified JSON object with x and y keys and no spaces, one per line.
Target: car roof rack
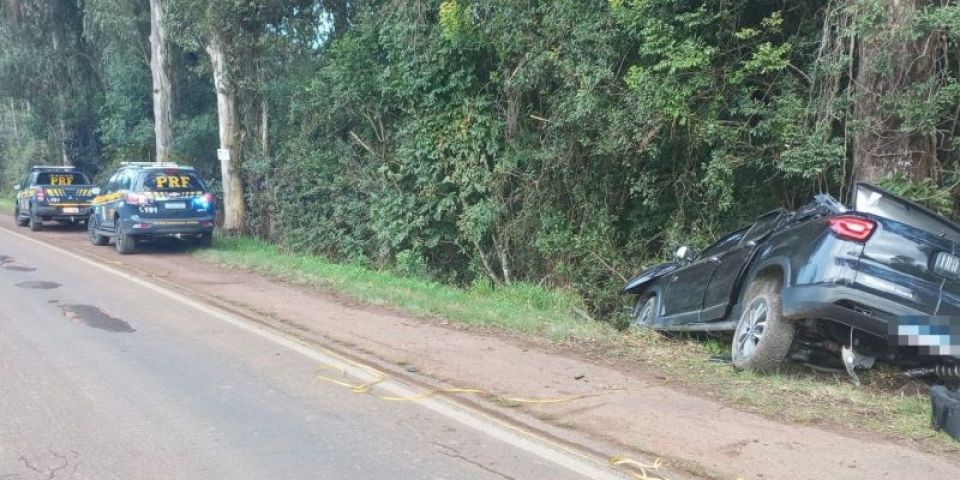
{"x":53,"y":167}
{"x":155,"y":165}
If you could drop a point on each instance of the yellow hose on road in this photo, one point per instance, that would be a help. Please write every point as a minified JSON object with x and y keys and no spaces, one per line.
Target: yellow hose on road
{"x":637,"y":470}
{"x":622,"y":462}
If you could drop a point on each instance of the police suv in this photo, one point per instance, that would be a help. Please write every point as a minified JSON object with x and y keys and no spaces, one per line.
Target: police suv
{"x":53,"y":193}
{"x":142,"y":201}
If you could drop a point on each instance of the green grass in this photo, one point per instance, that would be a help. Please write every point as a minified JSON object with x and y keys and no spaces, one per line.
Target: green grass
{"x":885,"y":404}
{"x":521,"y":308}
{"x":6,"y":202}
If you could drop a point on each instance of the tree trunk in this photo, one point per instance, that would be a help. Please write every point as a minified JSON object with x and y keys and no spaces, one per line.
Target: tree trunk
{"x":162,"y":87}
{"x":14,"y":115}
{"x":228,"y":117}
{"x":265,"y":127}
{"x":886,"y":69}
{"x":60,"y":133}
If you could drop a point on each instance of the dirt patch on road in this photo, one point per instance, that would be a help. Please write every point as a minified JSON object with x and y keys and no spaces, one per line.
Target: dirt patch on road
{"x":19,"y":268}
{"x":39,"y":285}
{"x":94,"y":317}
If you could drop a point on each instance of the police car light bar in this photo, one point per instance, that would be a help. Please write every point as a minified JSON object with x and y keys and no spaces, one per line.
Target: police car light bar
{"x":149,"y":164}
{"x":155,"y":164}
{"x":52,"y":167}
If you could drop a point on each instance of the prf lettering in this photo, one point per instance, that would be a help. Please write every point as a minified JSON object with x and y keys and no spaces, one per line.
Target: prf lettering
{"x":61,"y":180}
{"x":172,"y":181}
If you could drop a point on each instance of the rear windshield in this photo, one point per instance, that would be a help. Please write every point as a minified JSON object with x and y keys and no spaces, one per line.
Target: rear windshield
{"x":62,"y":178}
{"x":173,"y":181}
{"x":869,"y":199}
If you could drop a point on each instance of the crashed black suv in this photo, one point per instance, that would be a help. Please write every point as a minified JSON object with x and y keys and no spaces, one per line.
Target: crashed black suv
{"x":827,"y":277}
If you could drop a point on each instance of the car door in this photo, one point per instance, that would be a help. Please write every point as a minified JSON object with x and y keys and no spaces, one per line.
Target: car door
{"x":731,"y":262}
{"x":28,"y":184}
{"x":22,"y":202}
{"x":108,"y":207}
{"x":683,"y":295}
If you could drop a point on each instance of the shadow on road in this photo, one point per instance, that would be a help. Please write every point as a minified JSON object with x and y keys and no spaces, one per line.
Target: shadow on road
{"x":158,"y":246}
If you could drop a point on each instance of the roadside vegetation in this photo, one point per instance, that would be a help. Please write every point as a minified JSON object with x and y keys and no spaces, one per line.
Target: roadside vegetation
{"x":885,"y":404}
{"x":468,"y":159}
{"x":6,"y":202}
{"x":563,"y":143}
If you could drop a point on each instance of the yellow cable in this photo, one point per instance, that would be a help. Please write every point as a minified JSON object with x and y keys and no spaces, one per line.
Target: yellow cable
{"x":622,"y":461}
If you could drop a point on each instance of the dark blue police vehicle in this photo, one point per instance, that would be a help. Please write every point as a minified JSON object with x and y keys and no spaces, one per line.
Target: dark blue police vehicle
{"x":143,"y":201}
{"x":62,"y":194}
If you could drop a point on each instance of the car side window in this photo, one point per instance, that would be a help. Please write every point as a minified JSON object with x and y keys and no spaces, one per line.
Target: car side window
{"x":724,"y":244}
{"x":111,"y":184}
{"x":124,"y":182}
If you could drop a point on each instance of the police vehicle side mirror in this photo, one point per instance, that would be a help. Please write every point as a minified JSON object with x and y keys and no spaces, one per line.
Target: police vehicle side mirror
{"x":683,"y":254}
{"x":95,"y":190}
{"x":17,"y":186}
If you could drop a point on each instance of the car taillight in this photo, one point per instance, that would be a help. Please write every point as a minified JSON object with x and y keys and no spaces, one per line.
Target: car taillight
{"x":136,"y":199}
{"x":40,"y":195}
{"x":853,"y":228}
{"x":204,"y":202}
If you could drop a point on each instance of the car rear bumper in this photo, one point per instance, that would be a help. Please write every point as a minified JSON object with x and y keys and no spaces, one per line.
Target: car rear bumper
{"x":169,"y":227}
{"x":77,"y":212}
{"x":845,"y":304}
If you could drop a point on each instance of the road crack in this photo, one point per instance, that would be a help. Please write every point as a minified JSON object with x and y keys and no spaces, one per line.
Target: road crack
{"x":52,"y":471}
{"x":452,"y":452}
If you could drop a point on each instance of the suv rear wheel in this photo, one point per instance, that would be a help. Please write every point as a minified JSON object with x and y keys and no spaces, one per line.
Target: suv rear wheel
{"x":21,"y":222}
{"x":205,"y":240}
{"x":35,"y":221}
{"x":124,"y":242}
{"x":763,"y":338}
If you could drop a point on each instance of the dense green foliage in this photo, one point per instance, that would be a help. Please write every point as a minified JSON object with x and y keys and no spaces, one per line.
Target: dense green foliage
{"x":562,"y":142}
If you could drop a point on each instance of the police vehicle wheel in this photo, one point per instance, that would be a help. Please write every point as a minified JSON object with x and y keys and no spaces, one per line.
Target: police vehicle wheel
{"x":763,"y":338}
{"x":124,"y":242}
{"x":21,"y":222}
{"x":35,"y":222}
{"x":205,"y":240}
{"x":95,"y":238}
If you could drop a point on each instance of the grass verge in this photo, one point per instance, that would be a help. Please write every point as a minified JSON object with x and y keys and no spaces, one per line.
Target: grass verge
{"x":885,"y":404}
{"x":6,"y":202}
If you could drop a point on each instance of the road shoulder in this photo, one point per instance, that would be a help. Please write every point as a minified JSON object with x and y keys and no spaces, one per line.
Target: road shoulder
{"x":613,"y":403}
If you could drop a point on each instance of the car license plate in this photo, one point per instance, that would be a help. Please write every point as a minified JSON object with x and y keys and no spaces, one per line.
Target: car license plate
{"x":947,"y":265}
{"x":175,"y":205}
{"x":71,"y":210}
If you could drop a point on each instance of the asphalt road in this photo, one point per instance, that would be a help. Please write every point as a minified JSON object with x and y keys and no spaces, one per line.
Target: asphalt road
{"x":104,"y":378}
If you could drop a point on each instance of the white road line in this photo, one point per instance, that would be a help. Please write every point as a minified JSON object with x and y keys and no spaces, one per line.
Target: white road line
{"x":527,"y":441}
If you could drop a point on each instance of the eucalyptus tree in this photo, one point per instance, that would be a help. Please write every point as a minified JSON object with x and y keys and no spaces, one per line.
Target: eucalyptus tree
{"x":119,"y":32}
{"x":231,"y":33}
{"x":162,"y":86}
{"x":46,"y":62}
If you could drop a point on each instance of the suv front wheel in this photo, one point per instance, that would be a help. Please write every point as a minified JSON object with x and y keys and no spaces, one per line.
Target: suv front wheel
{"x":763,"y":338}
{"x":95,"y":238}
